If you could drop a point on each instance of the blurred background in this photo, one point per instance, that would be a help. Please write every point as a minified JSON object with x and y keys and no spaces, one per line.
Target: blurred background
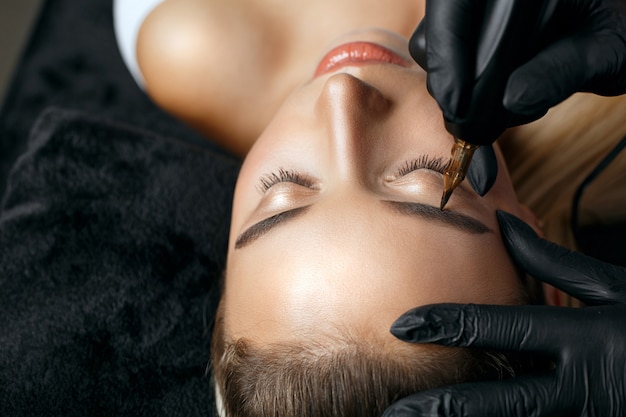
{"x":16,"y":20}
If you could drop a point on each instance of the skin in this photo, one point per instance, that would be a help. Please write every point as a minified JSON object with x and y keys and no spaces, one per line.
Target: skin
{"x":225,"y":67}
{"x":349,"y":261}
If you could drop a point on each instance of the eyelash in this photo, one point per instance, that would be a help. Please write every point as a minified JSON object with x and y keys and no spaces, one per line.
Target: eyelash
{"x":285,"y":175}
{"x":423,"y":162}
{"x":289,"y":175}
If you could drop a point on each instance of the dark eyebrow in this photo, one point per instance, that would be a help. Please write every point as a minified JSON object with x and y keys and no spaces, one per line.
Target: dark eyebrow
{"x":459,"y":221}
{"x":259,"y":229}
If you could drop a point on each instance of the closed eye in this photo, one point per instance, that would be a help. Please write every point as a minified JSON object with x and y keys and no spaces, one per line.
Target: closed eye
{"x":286,"y":175}
{"x":422,"y":162}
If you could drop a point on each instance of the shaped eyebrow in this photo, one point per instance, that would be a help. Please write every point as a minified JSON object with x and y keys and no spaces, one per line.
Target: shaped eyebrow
{"x":454,"y":219}
{"x":264,"y":226}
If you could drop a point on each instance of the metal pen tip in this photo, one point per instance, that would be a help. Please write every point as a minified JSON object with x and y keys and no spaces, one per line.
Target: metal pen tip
{"x":449,"y":184}
{"x":460,"y":159}
{"x":445,"y":197}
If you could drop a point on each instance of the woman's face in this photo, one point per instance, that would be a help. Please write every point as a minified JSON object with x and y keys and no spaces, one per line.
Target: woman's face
{"x":336,"y":221}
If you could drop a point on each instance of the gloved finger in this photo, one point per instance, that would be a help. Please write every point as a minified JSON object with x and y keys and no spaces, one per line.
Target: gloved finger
{"x":417,"y":46}
{"x":586,"y":278}
{"x":573,"y":64}
{"x":513,"y":328}
{"x":483,"y":170}
{"x":450,"y":39}
{"x":517,"y":397}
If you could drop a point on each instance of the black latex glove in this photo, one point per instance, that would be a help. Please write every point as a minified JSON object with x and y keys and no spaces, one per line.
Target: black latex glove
{"x":578,"y":45}
{"x":587,"y":344}
{"x":483,"y":170}
{"x":554,"y":48}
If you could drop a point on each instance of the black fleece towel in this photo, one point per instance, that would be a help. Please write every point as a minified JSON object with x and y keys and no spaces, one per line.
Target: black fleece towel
{"x":112,"y":240}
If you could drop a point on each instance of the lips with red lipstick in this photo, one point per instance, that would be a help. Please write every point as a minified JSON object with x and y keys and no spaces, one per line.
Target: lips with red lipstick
{"x":358,"y":53}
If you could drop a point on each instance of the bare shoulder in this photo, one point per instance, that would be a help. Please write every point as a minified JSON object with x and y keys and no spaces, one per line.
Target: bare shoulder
{"x":169,"y":45}
{"x":182,"y":47}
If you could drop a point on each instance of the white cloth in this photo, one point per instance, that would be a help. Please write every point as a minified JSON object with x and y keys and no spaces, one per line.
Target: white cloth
{"x":128,"y":15}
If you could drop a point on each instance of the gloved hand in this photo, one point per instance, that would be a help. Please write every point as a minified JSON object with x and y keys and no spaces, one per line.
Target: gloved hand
{"x":587,"y":344}
{"x":578,"y":45}
{"x":494,"y":64}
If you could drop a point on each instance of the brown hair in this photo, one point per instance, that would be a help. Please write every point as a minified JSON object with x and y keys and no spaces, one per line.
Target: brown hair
{"x":335,"y":375}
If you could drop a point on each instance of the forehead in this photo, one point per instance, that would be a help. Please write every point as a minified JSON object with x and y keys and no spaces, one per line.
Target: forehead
{"x":332,"y":269}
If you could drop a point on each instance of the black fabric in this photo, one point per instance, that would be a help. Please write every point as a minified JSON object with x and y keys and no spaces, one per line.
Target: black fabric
{"x":113,"y":240}
{"x":72,"y":61}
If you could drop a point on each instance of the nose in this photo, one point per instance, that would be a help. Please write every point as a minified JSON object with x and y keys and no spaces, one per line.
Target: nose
{"x":352,"y":111}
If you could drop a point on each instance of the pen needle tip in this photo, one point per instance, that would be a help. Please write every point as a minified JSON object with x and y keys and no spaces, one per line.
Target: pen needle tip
{"x":445,"y":197}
